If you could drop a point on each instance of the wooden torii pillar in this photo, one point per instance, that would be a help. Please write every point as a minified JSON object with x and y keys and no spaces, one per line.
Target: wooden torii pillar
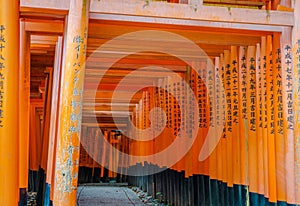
{"x":24,"y":107}
{"x":67,"y":156}
{"x":296,"y":86}
{"x":9,"y":104}
{"x":53,"y":125}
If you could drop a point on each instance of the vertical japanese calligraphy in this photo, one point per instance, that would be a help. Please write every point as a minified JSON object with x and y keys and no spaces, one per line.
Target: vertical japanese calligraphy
{"x":263,"y":105}
{"x":278,"y":118}
{"x":213,"y":160}
{"x":235,"y":114}
{"x":259,"y":111}
{"x":289,"y":85}
{"x":251,"y":113}
{"x":2,"y":73}
{"x":223,"y":111}
{"x":287,"y":74}
{"x":79,"y":42}
{"x":296,"y":94}
{"x":252,"y":89}
{"x":278,"y":90}
{"x":218,"y":114}
{"x":229,"y":116}
{"x":243,"y":112}
{"x":9,"y":102}
{"x":270,"y":121}
{"x":67,"y":164}
{"x":252,"y":92}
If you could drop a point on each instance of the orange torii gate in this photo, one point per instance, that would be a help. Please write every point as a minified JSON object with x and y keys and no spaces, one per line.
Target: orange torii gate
{"x":14,"y":96}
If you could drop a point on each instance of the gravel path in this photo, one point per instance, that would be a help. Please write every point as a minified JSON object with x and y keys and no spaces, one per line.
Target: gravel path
{"x":107,"y":195}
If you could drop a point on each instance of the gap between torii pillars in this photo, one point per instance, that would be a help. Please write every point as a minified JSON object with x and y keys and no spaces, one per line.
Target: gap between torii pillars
{"x":67,"y":153}
{"x":9,"y":99}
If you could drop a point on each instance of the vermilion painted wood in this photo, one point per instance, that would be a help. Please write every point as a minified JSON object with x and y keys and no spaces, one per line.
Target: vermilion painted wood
{"x":259,"y":120}
{"x":270,"y":120}
{"x":46,"y":118}
{"x":54,"y":118}
{"x":296,"y":65}
{"x":67,"y":158}
{"x":288,"y":125}
{"x":24,"y":98}
{"x":9,"y":88}
{"x":279,"y":138}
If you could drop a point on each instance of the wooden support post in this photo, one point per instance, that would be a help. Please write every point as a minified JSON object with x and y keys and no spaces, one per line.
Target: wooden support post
{"x":9,"y":102}
{"x":24,"y":108}
{"x":223,"y":112}
{"x":259,"y":128}
{"x":53,"y":122}
{"x":67,"y":158}
{"x":227,"y":85}
{"x":46,"y":118}
{"x":270,"y":121}
{"x":243,"y":114}
{"x":296,"y":86}
{"x":288,"y":115}
{"x":252,"y":129}
{"x":264,"y":123}
{"x":278,"y":126}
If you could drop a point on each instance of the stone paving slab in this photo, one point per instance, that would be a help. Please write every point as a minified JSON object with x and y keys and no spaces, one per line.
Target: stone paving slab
{"x":107,"y":195}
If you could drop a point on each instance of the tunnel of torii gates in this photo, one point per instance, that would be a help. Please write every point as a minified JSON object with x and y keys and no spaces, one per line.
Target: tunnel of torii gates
{"x":62,"y":109}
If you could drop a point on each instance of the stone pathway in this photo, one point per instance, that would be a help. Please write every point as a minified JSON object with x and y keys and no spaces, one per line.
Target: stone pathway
{"x":107,"y":195}
{"x":31,"y":201}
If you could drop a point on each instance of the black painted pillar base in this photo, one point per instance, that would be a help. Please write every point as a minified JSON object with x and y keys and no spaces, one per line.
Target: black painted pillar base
{"x":23,"y":197}
{"x":41,"y":187}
